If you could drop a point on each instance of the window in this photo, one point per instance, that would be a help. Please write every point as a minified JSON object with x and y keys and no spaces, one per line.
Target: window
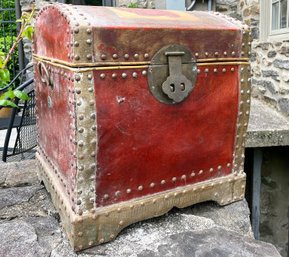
{"x":274,"y":19}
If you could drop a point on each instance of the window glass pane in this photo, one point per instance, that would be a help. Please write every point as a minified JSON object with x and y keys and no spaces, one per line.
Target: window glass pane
{"x":275,"y":14}
{"x":283,"y":13}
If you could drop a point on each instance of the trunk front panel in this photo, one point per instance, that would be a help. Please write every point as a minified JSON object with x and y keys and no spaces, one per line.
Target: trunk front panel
{"x":145,"y":146}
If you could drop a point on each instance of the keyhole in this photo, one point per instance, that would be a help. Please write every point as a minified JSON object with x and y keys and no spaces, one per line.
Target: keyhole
{"x":172,"y":87}
{"x":182,"y":86}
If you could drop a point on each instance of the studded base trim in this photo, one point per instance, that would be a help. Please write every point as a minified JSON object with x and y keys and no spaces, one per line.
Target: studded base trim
{"x":103,"y":224}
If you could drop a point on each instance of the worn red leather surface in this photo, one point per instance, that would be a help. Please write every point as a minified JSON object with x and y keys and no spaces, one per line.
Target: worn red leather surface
{"x":142,"y":141}
{"x":54,"y":123}
{"x":132,"y":31}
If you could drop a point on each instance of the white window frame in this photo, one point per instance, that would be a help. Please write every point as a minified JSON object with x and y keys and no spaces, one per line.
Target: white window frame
{"x":266,"y":32}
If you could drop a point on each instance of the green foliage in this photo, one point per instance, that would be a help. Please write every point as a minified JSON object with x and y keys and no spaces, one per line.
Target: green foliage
{"x":26,"y":30}
{"x":133,"y":5}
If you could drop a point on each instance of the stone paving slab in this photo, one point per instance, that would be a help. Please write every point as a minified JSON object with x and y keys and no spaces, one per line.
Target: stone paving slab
{"x":267,"y":127}
{"x":29,"y":226}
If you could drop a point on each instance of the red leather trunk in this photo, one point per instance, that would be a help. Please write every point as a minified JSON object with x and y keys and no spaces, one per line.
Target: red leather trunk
{"x":137,"y":107}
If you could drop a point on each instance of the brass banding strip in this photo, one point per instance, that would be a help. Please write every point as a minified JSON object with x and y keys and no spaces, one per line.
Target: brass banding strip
{"x":106,"y":65}
{"x":127,"y":66}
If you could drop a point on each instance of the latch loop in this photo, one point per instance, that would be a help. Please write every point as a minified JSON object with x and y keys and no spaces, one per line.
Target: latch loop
{"x":177,"y":86}
{"x":172,"y":74}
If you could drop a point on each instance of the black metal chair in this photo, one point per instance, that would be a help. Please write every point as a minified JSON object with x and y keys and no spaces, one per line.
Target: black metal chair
{"x":23,"y":121}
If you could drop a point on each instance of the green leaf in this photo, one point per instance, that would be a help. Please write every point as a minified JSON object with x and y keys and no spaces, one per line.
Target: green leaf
{"x":8,"y":94}
{"x":21,"y":95}
{"x":4,"y":75}
{"x":8,"y":103}
{"x":28,"y":32}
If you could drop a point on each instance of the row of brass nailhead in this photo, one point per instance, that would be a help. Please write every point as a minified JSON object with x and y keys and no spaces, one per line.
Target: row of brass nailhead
{"x":144,"y":73}
{"x":162,"y":182}
{"x":244,"y":116}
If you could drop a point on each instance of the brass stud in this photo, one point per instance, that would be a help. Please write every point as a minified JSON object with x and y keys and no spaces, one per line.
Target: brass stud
{"x":128,"y":191}
{"x":146,"y":55}
{"x":232,"y":69}
{"x":76,"y":30}
{"x":88,"y":31}
{"x":215,"y":70}
{"x":76,"y":44}
{"x":211,"y":169}
{"x":117,"y":193}
{"x":216,"y":53}
{"x":228,"y":164}
{"x":224,"y":70}
{"x":77,"y":57}
{"x":81,"y":117}
{"x":101,"y":241}
{"x":196,"y":54}
{"x":89,"y":76}
{"x":89,"y":57}
{"x":105,"y":196}
{"x":102,"y":76}
{"x":90,"y":89}
{"x":193,"y":174}
{"x":123,"y":75}
{"x":233,"y":53}
{"x":77,"y":78}
{"x":206,"y":53}
{"x":174,"y":179}
{"x":225,"y":53}
{"x":201,"y":172}
{"x":90,"y":243}
{"x":126,"y":56}
{"x":88,"y":41}
{"x":103,"y":57}
{"x":114,"y":56}
{"x":184,"y":177}
{"x":206,"y":70}
{"x":140,"y":188}
{"x":163,"y":182}
{"x":198,"y":71}
{"x":144,"y":72}
{"x":121,"y":223}
{"x":114,"y":75}
{"x":219,"y":167}
{"x":80,"y":143}
{"x":136,"y":56}
{"x":134,"y":75}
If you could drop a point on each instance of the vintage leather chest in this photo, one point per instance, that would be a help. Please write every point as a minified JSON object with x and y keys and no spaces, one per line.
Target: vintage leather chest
{"x":138,"y":111}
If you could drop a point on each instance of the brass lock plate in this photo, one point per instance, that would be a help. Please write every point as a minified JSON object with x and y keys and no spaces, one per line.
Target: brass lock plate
{"x":172,"y":74}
